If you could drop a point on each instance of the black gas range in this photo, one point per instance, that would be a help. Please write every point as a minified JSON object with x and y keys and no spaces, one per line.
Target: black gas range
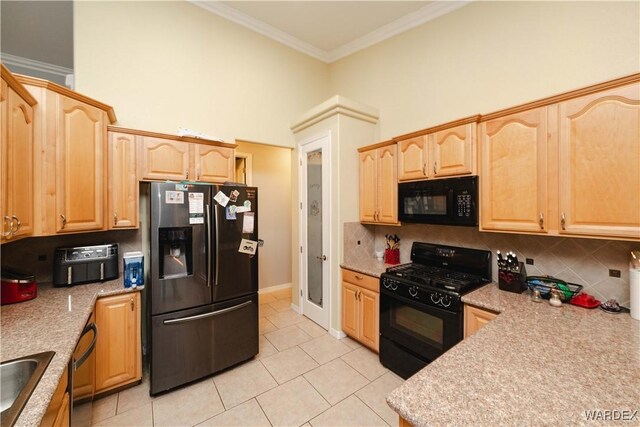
{"x":420,"y":303}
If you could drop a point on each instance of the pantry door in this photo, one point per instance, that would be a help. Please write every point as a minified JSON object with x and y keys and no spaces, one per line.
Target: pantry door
{"x":315,"y":259}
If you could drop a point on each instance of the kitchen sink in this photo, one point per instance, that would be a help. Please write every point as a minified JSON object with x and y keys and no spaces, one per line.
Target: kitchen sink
{"x":18,"y":378}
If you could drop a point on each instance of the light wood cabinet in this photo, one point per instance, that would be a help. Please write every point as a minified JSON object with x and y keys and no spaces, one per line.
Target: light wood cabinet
{"x":360,"y":308}
{"x":70,"y":135}
{"x":570,"y":167}
{"x":166,"y":157}
{"x":440,"y":151}
{"x":476,"y":318}
{"x":123,"y":181}
{"x":16,"y":201}
{"x":599,"y":163}
{"x":379,"y":183}
{"x":513,"y":170}
{"x":84,"y":376}
{"x":118,"y":350}
{"x":163,"y":159}
{"x":57,"y":413}
{"x":214,"y":164}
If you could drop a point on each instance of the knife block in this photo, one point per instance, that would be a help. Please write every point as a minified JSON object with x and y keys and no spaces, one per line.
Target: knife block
{"x":392,"y":256}
{"x":513,"y":281}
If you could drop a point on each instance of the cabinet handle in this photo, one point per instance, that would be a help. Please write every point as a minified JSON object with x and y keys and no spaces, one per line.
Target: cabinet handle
{"x":64,"y":220}
{"x":562,"y":221}
{"x":186,"y":174}
{"x":8,"y":232}
{"x":541,"y":221}
{"x":198,"y":174}
{"x":357,"y":295}
{"x":359,"y":277}
{"x":18,"y":224}
{"x":115,"y":218}
{"x":424,"y":170}
{"x":435,"y":164}
{"x":133,"y":306}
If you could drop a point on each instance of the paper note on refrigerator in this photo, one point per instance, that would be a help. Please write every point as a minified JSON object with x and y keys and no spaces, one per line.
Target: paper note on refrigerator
{"x":221,"y":198}
{"x":241,"y":209}
{"x":248,"y":247}
{"x":247,"y":222}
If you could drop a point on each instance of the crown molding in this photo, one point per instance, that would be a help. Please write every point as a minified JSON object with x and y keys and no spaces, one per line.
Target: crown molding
{"x":400,"y":25}
{"x":32,"y":64}
{"x":407,"y":22}
{"x":260,"y":27}
{"x":337,"y":104}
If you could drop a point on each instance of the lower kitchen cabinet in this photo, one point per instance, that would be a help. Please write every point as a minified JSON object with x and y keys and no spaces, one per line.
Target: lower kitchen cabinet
{"x":476,"y":318}
{"x":58,"y":410}
{"x":118,"y":350}
{"x":360,"y":308}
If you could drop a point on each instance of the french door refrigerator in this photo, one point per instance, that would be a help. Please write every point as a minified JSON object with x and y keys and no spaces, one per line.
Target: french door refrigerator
{"x":203,"y":296}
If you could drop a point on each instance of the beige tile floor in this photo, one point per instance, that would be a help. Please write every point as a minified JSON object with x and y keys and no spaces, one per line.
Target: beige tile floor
{"x":301,"y":376}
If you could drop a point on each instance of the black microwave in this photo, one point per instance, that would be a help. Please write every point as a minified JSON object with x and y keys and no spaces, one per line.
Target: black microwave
{"x":448,"y":201}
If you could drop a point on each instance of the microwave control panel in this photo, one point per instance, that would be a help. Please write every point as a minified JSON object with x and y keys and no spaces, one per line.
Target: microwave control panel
{"x":464,"y":205}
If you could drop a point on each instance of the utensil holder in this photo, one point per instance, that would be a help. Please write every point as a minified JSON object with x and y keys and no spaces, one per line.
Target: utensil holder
{"x":513,"y":281}
{"x":392,"y":256}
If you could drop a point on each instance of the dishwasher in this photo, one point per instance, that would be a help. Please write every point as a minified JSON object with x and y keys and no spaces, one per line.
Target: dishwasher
{"x":81,"y":375}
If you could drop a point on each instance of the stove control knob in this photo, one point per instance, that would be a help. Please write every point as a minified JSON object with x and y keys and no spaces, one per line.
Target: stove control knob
{"x":436,"y":298}
{"x":445,"y":301}
{"x":386,"y":283}
{"x":394,"y":285}
{"x":413,"y":291}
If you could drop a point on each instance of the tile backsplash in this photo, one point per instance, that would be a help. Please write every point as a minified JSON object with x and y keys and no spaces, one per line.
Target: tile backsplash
{"x":583,"y":261}
{"x":24,"y":254}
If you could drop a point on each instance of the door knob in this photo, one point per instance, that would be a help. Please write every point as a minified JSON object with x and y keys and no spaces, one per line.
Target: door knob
{"x":322,"y":258}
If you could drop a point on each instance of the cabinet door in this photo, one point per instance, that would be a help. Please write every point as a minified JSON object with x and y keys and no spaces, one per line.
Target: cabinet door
{"x":80,"y":158}
{"x":475,"y":319}
{"x":118,"y":354}
{"x":84,"y":376}
{"x":62,"y":417}
{"x":369,"y":320}
{"x":368,"y":186}
{"x":599,"y":163}
{"x":453,"y":150}
{"x":412,"y":159}
{"x":513,"y":170}
{"x":350,"y":310}
{"x":123,"y":181}
{"x":17,"y":166}
{"x":163,"y":159}
{"x":387,"y":178}
{"x":214,"y":164}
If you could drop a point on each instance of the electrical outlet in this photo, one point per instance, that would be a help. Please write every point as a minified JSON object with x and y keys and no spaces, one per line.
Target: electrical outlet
{"x":42,"y":257}
{"x":529,"y":261}
{"x":614,"y":273}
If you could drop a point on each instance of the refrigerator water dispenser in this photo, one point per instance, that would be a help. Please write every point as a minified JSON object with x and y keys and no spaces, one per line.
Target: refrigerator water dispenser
{"x":176,"y":252}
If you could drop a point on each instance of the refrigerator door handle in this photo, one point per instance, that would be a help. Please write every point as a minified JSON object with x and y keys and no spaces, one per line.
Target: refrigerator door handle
{"x":209,"y":253}
{"x":205,"y":315}
{"x":215,"y":220}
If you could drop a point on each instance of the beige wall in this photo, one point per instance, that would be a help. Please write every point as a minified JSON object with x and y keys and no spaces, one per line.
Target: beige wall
{"x":165,"y":64}
{"x":487,"y":56}
{"x":271,"y":173}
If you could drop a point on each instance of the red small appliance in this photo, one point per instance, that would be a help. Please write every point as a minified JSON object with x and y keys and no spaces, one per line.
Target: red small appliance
{"x":17,"y":286}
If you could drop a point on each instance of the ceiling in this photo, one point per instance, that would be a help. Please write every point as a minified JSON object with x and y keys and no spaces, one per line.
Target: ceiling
{"x":330,"y":30}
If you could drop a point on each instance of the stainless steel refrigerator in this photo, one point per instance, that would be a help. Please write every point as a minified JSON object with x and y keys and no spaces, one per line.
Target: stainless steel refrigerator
{"x":203,"y":296}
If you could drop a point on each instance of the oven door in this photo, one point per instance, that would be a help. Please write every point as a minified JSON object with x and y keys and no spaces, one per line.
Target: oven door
{"x":423,"y":330}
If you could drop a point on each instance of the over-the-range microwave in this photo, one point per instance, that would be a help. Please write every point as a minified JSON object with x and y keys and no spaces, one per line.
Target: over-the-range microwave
{"x":448,"y":201}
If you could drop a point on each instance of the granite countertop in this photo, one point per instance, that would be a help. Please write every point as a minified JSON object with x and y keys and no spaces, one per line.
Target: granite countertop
{"x":370,"y":266}
{"x":51,"y":322}
{"x":532,"y":365}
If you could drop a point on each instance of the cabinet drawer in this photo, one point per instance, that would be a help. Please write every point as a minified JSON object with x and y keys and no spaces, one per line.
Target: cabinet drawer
{"x":362,"y":280}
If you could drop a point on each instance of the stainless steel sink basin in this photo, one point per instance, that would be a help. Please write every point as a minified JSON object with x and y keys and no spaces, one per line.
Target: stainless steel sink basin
{"x":18,"y":379}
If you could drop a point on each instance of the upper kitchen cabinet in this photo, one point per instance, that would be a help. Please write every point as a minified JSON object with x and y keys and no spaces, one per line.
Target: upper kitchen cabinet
{"x":70,"y":168}
{"x":513,"y":172}
{"x":171,"y":157}
{"x":122,"y":181}
{"x":441,"y":151}
{"x":379,"y":183}
{"x":599,"y":163}
{"x":16,"y":176}
{"x":566,"y":165}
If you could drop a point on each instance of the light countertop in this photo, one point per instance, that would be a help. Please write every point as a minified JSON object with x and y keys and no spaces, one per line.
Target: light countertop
{"x":51,"y":322}
{"x":533,"y":365}
{"x":369,"y":266}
